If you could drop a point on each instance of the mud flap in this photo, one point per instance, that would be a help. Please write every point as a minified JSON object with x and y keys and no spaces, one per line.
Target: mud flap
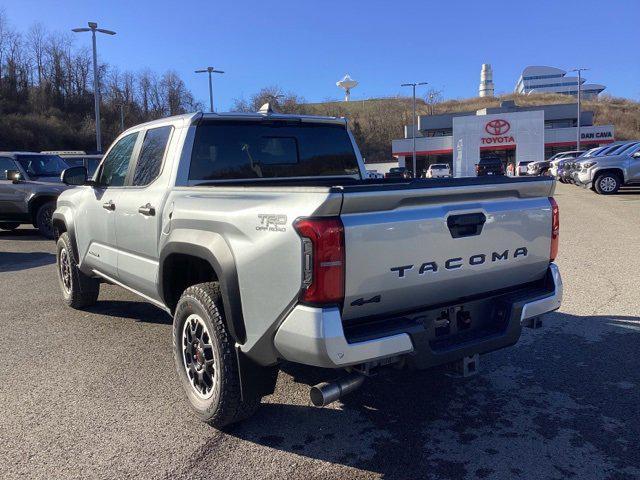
{"x":255,"y":380}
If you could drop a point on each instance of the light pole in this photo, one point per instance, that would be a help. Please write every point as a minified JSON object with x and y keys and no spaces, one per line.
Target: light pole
{"x":413,"y":128}
{"x":122,"y":117}
{"x":210,"y":70}
{"x":93,"y":28}
{"x":579,"y":70}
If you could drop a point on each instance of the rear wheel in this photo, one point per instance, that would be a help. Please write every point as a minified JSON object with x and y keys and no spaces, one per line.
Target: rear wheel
{"x":9,"y":225}
{"x":44,"y":219}
{"x":607,"y":183}
{"x":78,"y":289}
{"x":205,"y":359}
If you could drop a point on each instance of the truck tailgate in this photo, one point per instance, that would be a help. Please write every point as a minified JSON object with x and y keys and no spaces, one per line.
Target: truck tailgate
{"x":414,"y":247}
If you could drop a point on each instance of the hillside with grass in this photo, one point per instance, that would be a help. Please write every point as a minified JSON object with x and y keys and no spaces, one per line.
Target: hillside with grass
{"x":377,"y":122}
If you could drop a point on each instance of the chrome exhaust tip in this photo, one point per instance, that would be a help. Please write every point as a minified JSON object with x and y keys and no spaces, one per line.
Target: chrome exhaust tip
{"x":328,"y":392}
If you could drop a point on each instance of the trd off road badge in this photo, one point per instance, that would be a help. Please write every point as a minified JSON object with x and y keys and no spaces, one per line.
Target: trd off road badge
{"x":272,"y":223}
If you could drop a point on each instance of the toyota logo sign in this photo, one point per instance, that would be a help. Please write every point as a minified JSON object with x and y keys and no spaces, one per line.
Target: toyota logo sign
{"x":497,"y":127}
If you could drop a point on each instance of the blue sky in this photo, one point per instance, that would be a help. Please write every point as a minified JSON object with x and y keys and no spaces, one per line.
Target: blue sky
{"x":306,"y":46}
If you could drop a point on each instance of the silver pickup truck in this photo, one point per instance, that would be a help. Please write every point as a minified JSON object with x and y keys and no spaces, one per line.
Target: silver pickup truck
{"x":261,"y":235}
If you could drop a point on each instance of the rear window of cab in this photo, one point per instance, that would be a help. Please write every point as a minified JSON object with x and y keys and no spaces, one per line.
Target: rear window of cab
{"x":225,"y":150}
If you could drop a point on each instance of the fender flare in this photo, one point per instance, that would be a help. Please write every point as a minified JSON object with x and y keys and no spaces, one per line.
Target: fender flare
{"x":64,"y":215}
{"x":34,"y":197}
{"x":212,"y":248}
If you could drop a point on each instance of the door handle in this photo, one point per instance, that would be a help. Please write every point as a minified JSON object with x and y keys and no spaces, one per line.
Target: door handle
{"x":466,"y":225}
{"x":147,"y":210}
{"x":109,"y":205}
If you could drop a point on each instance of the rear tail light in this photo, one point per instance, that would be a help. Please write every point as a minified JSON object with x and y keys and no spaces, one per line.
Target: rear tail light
{"x":323,"y":260}
{"x":555,"y":228}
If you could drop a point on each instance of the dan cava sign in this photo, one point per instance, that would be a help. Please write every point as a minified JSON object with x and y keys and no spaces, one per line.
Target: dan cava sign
{"x":498,"y":130}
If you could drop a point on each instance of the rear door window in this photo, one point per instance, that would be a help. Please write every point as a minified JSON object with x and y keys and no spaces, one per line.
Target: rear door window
{"x":151,"y":155}
{"x":226,"y":150}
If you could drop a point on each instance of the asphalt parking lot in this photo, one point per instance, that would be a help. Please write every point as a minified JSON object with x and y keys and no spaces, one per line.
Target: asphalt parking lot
{"x":94,"y":395}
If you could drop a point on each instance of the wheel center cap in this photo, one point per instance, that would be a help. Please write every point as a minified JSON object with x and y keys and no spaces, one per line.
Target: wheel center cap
{"x":199,"y":356}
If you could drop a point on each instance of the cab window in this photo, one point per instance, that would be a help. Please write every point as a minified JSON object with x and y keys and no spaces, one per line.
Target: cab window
{"x":116,"y":164}
{"x":149,"y":161}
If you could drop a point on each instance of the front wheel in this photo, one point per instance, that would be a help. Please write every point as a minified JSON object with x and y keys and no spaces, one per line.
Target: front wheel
{"x":205,"y":359}
{"x":607,"y":183}
{"x":78,"y":289}
{"x":44,"y":218}
{"x":9,"y":225}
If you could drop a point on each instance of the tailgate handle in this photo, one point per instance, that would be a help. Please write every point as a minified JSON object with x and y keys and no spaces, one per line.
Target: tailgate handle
{"x":466,"y":225}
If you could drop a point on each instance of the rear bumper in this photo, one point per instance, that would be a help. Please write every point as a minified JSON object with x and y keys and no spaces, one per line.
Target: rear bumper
{"x":316,"y":336}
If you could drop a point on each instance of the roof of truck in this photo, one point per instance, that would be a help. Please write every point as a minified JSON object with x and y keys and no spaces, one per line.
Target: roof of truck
{"x":195,"y":117}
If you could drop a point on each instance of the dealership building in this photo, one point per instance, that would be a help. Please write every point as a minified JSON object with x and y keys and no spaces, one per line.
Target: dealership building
{"x":511,"y":132}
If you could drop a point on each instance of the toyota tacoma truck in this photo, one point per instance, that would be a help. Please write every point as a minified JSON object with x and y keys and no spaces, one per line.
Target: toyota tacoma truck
{"x":29,"y":185}
{"x":261,"y":235}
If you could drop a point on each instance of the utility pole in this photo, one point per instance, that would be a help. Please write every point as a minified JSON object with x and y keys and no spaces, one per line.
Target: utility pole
{"x":93,"y":28}
{"x":210,"y":70}
{"x":579,"y":70}
{"x":415,"y":123}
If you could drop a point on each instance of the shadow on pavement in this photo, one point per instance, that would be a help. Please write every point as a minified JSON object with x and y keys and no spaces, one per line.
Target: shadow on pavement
{"x":559,"y":405}
{"x":16,"y":261}
{"x":135,"y":310}
{"x":23,"y":234}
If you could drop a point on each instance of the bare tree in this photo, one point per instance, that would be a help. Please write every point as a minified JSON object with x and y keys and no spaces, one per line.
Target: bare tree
{"x":274,"y":95}
{"x":432,"y":98}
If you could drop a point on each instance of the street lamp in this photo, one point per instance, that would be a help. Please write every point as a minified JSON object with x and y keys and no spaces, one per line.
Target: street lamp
{"x":93,"y":28}
{"x":413,"y":128}
{"x":210,"y":70}
{"x":579,"y":70}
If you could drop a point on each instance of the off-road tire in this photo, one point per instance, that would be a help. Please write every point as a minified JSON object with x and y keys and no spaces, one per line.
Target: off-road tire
{"x":226,"y":405}
{"x":9,"y":225}
{"x":44,"y":217}
{"x":78,"y":290}
{"x":607,"y":183}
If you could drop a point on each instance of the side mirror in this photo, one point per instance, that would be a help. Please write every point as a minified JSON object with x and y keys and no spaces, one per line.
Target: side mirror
{"x":74,"y":176}
{"x":14,"y":176}
{"x":635,"y":155}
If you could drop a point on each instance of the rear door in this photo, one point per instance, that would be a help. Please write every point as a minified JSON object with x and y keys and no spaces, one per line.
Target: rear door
{"x":425,"y":246}
{"x":138,"y":219}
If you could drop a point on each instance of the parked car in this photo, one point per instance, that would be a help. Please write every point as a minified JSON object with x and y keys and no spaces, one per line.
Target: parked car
{"x":572,"y":169}
{"x":539,"y":167}
{"x":522,"y":167}
{"x":438,"y":170}
{"x":489,"y":166}
{"x":374,"y":174}
{"x":29,"y":186}
{"x":262,"y":239}
{"x":607,"y":173}
{"x":398,"y":172}
{"x":76,"y":158}
{"x":560,"y":157}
